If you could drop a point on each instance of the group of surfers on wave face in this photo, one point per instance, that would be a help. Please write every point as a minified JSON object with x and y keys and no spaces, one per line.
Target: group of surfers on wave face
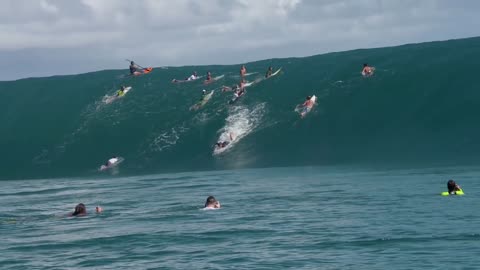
{"x":239,"y":89}
{"x":81,"y":210}
{"x":212,"y":203}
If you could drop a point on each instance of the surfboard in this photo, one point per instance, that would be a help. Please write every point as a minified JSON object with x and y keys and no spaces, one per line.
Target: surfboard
{"x":213,"y":79}
{"x":184,"y":81}
{"x":458,"y":192}
{"x":104,"y":167}
{"x":202,"y":102}
{"x":304,"y":110}
{"x":275,"y":73}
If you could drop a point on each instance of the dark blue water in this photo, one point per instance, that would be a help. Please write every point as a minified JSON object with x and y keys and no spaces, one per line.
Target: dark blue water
{"x":278,"y":218}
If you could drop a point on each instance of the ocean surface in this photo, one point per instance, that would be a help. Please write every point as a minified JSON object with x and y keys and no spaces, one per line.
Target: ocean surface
{"x":331,"y":217}
{"x":420,"y":107}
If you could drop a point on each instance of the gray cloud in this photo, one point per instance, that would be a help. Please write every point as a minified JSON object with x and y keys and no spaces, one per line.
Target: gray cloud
{"x":47,"y":37}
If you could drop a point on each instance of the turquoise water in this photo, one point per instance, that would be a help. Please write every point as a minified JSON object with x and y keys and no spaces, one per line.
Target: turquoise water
{"x":421,"y":107}
{"x":279,"y":218}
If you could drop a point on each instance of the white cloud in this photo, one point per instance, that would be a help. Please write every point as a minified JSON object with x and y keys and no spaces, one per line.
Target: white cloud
{"x":204,"y":32}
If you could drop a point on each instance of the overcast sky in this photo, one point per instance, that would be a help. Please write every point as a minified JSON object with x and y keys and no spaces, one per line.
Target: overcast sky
{"x":50,"y":37}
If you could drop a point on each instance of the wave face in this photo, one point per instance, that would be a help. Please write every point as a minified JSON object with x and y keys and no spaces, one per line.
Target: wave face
{"x":421,"y":105}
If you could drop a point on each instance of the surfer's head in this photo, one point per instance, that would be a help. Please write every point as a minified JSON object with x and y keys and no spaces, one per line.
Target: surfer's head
{"x":365,"y":65}
{"x":451,"y":185}
{"x":80,"y":209}
{"x":308,"y":97}
{"x":210,"y":201}
{"x":132,"y":63}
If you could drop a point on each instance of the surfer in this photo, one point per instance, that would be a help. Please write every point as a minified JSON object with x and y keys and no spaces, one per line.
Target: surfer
{"x":212,"y":203}
{"x":112,"y":161}
{"x":367,"y":70}
{"x":269,"y":72}
{"x":228,"y":88}
{"x":80,"y":210}
{"x":240,"y":91}
{"x":209,"y":76}
{"x":453,"y":187}
{"x":307,"y":105}
{"x":204,"y":93}
{"x":192,"y":77}
{"x":222,"y":144}
{"x":134,"y":68}
{"x":120,"y":92}
{"x":243,"y":71}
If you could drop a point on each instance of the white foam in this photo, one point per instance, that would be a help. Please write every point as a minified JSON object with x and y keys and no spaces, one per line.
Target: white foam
{"x":240,"y":122}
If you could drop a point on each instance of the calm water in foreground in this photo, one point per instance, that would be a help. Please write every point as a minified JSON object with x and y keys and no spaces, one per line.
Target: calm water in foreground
{"x":297,"y":218}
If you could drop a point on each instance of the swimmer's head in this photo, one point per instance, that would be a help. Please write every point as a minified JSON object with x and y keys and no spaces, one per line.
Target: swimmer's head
{"x":365,"y":65}
{"x":210,"y":200}
{"x":80,"y":209}
{"x":451,"y":185}
{"x":98,"y":209}
{"x":308,"y":97}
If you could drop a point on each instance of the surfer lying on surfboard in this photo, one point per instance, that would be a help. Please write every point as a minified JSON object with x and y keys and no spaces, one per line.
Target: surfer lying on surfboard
{"x":269,"y":72}
{"x":367,"y":71}
{"x":307,"y":106}
{"x":192,"y":77}
{"x":235,"y":88}
{"x":120,"y":92}
{"x":222,"y":144}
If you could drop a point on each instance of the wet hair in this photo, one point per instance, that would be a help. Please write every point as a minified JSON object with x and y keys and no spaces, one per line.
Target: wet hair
{"x":451,"y":185}
{"x":210,"y":200}
{"x":80,"y":209}
{"x":308,"y":97}
{"x":365,"y":65}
